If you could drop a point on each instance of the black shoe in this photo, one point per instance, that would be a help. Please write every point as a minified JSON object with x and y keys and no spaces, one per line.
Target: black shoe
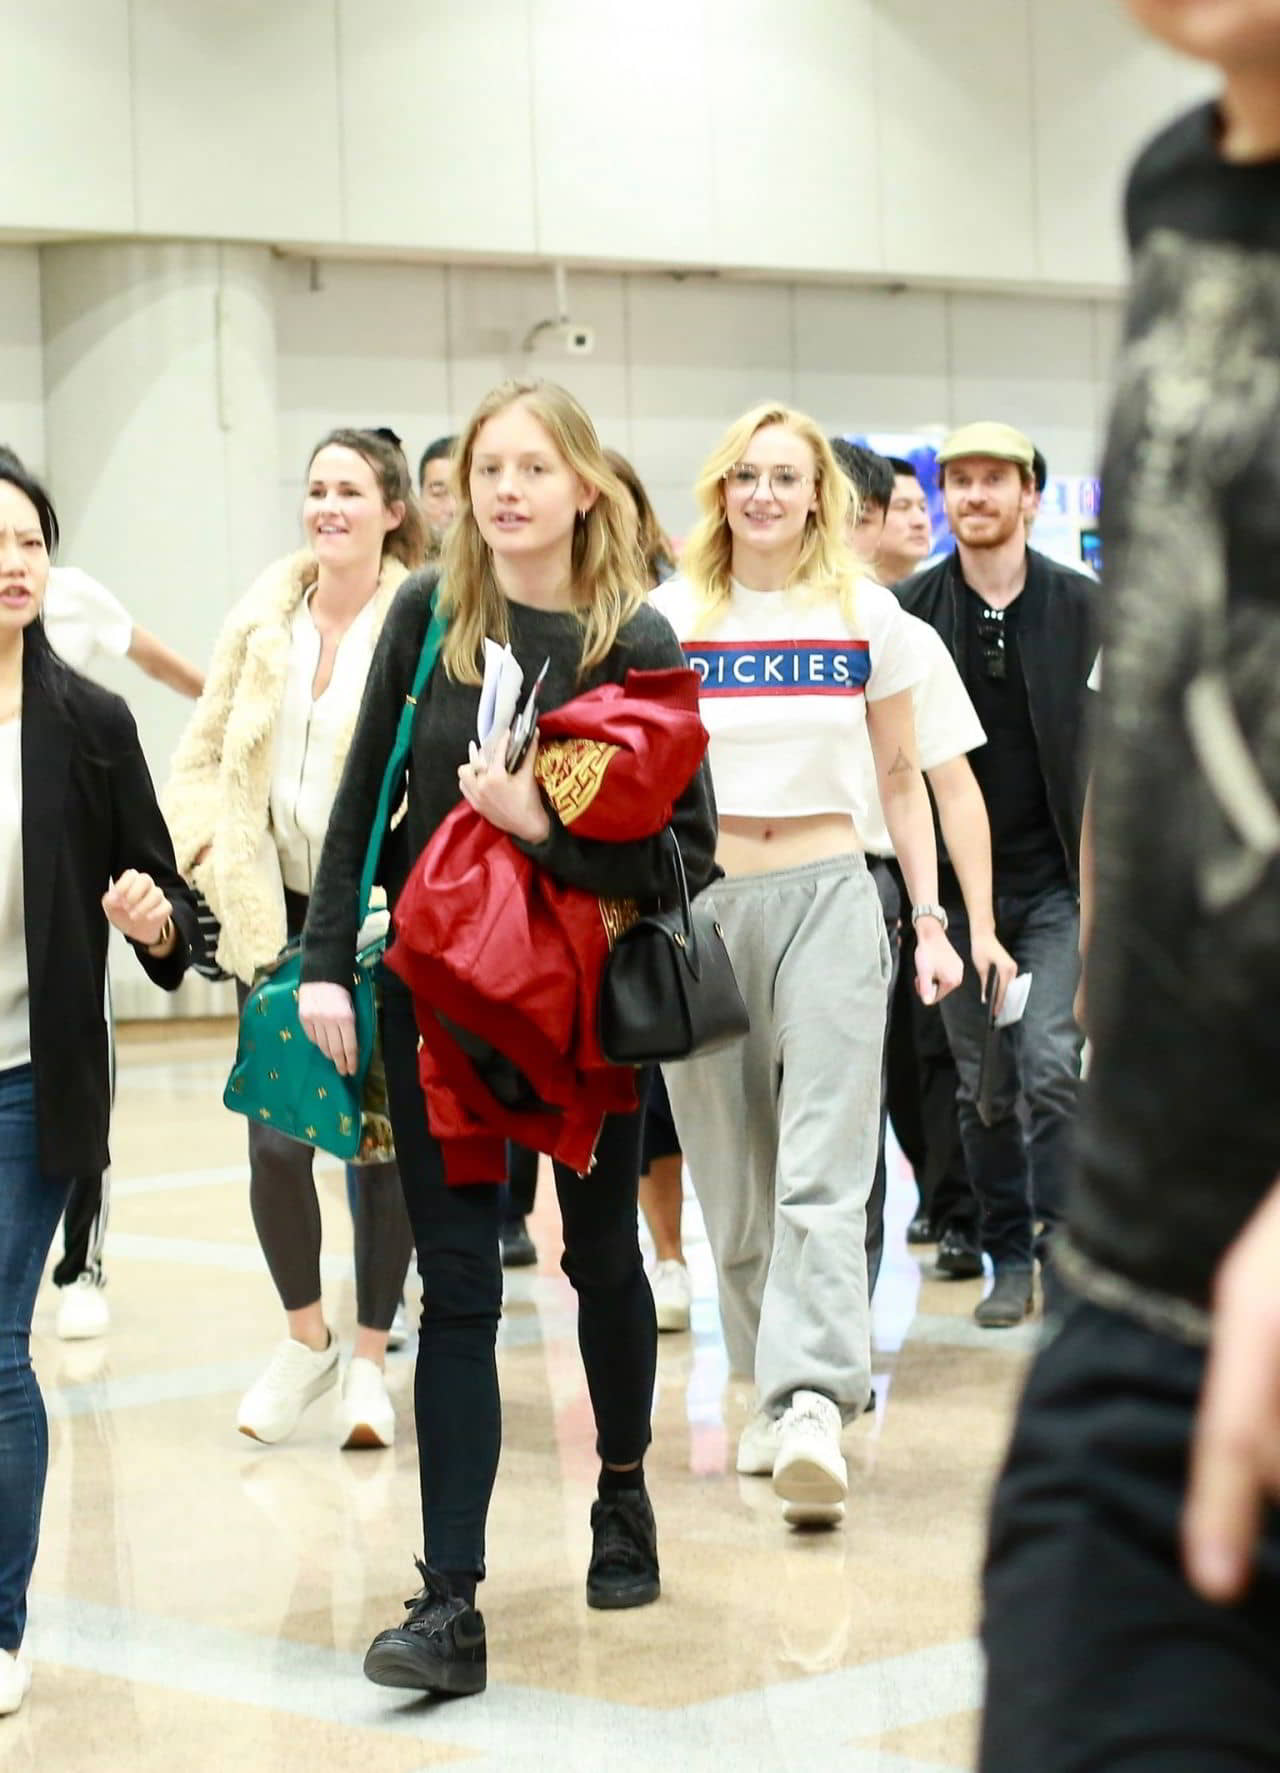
{"x":958,"y":1256}
{"x":920,"y":1230}
{"x":517,"y":1246}
{"x":439,"y":1649}
{"x":624,"y":1552}
{"x":1008,"y":1302}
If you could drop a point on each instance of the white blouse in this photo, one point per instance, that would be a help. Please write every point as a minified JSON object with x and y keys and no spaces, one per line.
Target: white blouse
{"x":309,"y":733}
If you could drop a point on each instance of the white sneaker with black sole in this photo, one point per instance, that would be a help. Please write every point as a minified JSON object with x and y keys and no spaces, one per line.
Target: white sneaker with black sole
{"x":294,"y":1377}
{"x":83,"y":1312}
{"x":398,"y":1334}
{"x":366,"y":1415}
{"x":809,"y":1469}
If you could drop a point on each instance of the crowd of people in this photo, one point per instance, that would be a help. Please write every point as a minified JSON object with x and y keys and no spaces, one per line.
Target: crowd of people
{"x":900,"y":811}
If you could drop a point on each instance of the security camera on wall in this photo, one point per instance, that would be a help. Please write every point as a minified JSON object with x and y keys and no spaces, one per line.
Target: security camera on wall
{"x":560,"y":337}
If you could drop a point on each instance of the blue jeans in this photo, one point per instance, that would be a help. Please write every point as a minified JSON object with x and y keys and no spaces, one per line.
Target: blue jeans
{"x":1020,"y":1163}
{"x":30,"y":1208}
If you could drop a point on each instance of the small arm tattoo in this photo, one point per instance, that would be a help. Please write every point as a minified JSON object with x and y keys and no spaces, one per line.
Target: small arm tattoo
{"x":901,"y":765}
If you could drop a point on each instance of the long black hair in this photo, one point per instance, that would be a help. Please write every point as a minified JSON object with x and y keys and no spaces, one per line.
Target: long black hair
{"x":39,"y":661}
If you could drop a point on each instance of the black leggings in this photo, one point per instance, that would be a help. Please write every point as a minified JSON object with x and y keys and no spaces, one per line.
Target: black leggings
{"x":456,"y":1401}
{"x":286,"y":1212}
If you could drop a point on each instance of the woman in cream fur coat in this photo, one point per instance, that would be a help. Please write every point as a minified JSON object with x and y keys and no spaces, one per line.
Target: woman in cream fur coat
{"x":248,"y":800}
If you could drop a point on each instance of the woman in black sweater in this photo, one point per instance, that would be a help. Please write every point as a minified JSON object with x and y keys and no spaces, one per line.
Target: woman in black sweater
{"x":541,"y":555}
{"x":80,"y":834}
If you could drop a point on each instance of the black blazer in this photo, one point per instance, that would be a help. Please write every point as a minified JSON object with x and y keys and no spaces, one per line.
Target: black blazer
{"x":89,"y":812}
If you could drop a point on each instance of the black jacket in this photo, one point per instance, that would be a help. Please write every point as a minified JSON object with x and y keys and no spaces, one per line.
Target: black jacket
{"x":1057,"y":644}
{"x":89,"y":812}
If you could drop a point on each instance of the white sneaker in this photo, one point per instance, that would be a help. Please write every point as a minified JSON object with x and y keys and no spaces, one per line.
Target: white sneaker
{"x":15,"y":1681}
{"x":294,"y":1377}
{"x":398,"y":1334}
{"x":83,"y":1311}
{"x":366,"y":1415}
{"x":672,"y":1295}
{"x":758,"y":1446}
{"x":810,"y":1467}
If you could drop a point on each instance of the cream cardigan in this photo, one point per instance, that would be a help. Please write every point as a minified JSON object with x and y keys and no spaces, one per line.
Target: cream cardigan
{"x":219,"y":787}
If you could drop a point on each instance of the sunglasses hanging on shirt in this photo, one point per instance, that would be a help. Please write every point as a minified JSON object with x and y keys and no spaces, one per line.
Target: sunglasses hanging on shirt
{"x":991,"y":632}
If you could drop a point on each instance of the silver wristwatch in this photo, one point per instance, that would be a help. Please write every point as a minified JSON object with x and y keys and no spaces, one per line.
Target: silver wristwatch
{"x":919,"y":911}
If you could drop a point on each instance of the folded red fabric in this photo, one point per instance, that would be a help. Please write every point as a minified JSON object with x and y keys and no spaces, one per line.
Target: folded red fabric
{"x":504,"y":961}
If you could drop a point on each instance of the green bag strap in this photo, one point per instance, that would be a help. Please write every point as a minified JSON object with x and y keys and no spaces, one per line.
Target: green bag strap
{"x":393,"y":775}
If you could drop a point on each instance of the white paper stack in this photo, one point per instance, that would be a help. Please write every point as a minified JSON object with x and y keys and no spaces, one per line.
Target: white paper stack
{"x":499,"y":698}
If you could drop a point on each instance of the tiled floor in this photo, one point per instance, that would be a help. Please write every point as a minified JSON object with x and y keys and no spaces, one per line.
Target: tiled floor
{"x":204,"y":1602}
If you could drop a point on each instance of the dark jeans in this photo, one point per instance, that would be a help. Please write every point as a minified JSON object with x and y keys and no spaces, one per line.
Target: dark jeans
{"x":522,"y":1182}
{"x":456,"y":1403}
{"x":1100,"y":1657}
{"x":30,"y":1207}
{"x":922,"y":1089}
{"x":1019,"y":1177}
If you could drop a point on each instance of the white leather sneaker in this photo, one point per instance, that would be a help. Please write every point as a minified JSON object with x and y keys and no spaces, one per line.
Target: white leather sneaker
{"x":293,"y":1378}
{"x":83,"y":1311}
{"x":366,"y":1415}
{"x":758,"y":1446}
{"x":15,"y":1681}
{"x":810,"y":1467}
{"x":672,"y":1295}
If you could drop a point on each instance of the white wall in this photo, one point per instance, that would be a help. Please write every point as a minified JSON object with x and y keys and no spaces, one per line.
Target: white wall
{"x":675,"y":360}
{"x":848,"y":137}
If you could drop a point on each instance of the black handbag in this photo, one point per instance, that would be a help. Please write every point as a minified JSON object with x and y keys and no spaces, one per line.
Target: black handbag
{"x":669,"y":989}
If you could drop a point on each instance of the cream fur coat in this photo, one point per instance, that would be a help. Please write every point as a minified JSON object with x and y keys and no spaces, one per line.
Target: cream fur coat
{"x":219,"y":787}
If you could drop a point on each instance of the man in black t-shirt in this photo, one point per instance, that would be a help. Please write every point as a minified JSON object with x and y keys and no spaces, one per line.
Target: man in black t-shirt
{"x":1020,"y":627}
{"x":1101,"y":1651}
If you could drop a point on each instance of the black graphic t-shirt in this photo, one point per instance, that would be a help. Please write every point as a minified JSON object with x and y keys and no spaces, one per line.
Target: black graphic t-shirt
{"x":1180,"y":1136}
{"x":1026,"y":851}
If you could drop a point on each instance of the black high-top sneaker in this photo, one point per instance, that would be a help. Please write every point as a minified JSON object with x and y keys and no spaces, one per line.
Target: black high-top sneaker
{"x":440,"y":1648}
{"x":623,"y":1571}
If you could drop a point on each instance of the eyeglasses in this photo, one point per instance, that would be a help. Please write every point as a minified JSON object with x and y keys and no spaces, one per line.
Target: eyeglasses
{"x":991,"y":639}
{"x":745,"y":478}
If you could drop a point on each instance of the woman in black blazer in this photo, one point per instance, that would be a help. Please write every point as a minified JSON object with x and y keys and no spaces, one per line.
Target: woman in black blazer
{"x":80,"y":835}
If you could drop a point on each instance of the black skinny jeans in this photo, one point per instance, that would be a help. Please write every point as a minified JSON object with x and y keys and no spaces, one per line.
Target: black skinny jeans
{"x":456,"y":1403}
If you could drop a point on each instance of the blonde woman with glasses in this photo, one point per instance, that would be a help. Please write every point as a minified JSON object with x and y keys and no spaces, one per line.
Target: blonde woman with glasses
{"x":542,"y":555}
{"x":795,"y":653}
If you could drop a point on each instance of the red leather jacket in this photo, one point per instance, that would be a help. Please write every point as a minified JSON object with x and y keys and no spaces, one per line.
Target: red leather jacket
{"x":504,"y":962}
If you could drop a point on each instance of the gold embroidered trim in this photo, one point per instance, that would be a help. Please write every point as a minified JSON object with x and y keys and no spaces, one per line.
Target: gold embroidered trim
{"x":617,"y":916}
{"x":572,"y":772}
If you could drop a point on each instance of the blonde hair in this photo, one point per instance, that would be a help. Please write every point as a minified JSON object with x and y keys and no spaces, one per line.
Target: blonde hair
{"x":826,"y":567}
{"x":608,"y":575}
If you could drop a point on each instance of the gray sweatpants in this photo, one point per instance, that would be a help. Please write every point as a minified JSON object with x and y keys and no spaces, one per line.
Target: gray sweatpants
{"x":780,"y":1130}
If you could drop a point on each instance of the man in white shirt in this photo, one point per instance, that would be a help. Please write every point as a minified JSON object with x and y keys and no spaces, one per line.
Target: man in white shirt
{"x":906,"y":537}
{"x":947,"y":729}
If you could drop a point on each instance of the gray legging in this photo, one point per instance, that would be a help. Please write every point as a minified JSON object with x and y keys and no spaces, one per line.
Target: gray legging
{"x":286,"y":1212}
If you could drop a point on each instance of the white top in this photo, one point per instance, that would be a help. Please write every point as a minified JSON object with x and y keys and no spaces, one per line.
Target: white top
{"x":15,"y":1009}
{"x":784,"y":687}
{"x":83,"y":619}
{"x":308,"y":736}
{"x":947,"y":724}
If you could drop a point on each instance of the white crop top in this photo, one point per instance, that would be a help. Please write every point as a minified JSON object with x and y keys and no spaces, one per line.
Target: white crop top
{"x":784,"y":689}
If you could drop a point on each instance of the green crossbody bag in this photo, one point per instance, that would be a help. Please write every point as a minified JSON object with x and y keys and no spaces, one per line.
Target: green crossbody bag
{"x":279,"y":1077}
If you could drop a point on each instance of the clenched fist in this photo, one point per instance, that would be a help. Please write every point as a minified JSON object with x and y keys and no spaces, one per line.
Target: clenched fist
{"x":135,"y":906}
